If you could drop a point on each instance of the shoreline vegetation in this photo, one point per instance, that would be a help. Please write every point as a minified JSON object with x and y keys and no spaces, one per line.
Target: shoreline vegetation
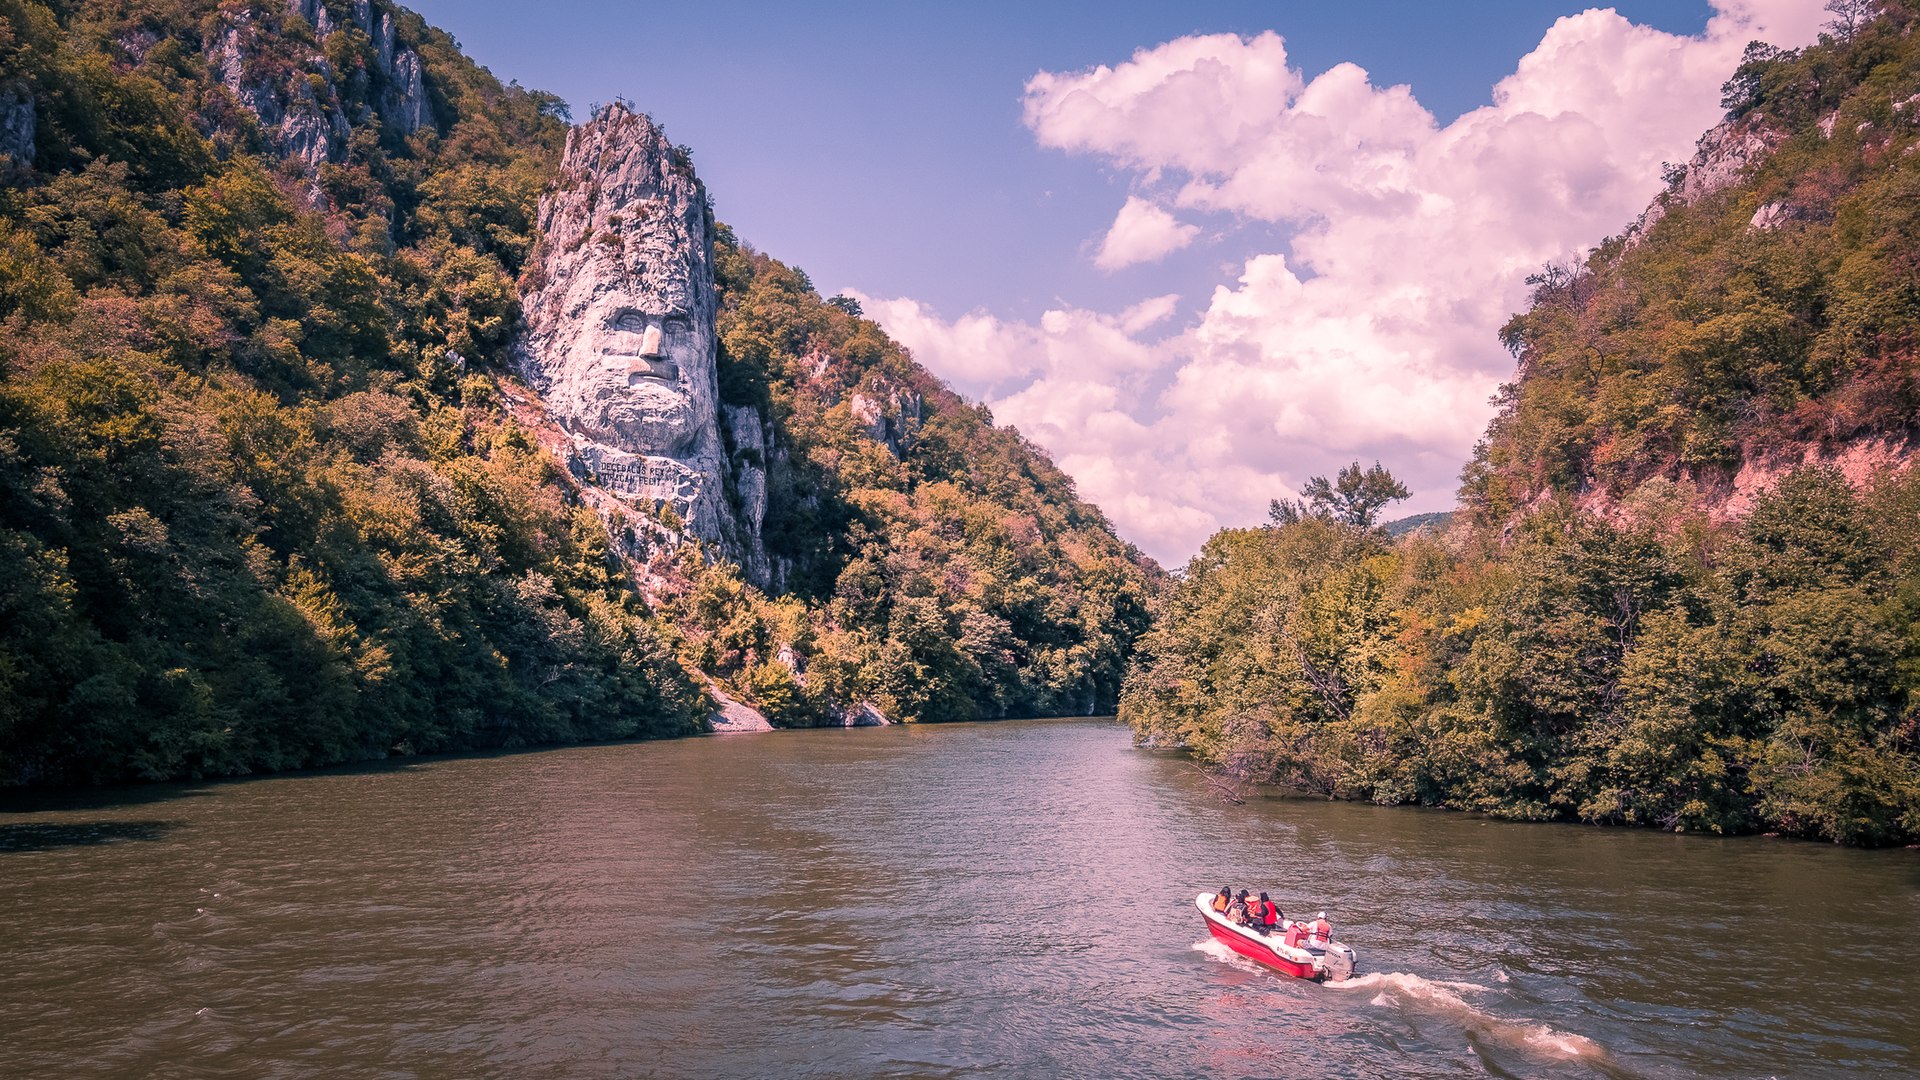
{"x":1603,"y":632}
{"x":1658,"y":672}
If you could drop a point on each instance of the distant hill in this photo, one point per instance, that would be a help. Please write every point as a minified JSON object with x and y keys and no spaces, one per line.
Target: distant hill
{"x":1402,"y":526}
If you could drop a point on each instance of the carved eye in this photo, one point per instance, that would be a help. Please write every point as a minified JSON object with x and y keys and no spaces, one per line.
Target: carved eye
{"x":631,"y":321}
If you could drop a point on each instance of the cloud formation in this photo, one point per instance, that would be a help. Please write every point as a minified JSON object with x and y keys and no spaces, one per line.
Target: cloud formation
{"x":1142,"y":233}
{"x":1374,"y":335}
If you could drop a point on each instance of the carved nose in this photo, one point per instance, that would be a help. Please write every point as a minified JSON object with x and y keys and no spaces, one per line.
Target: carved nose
{"x":650,"y":342}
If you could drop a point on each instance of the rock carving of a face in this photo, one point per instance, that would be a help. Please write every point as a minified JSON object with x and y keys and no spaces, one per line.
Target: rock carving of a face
{"x":620,"y":331}
{"x":635,"y":363}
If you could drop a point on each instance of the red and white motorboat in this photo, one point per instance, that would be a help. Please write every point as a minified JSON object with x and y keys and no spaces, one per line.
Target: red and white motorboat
{"x":1304,"y":950}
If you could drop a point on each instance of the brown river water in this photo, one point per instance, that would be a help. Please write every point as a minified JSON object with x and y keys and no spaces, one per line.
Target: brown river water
{"x":1011,"y":899}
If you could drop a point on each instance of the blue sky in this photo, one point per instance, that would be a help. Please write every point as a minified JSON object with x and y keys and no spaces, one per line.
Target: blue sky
{"x":879,"y":145}
{"x":1192,"y":250}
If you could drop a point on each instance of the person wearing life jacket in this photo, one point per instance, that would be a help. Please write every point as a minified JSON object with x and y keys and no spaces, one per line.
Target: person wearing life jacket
{"x":1320,"y":930}
{"x":1224,"y":901}
{"x":1237,"y":911}
{"x":1269,"y":915}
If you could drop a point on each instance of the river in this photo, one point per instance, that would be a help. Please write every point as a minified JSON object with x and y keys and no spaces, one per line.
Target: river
{"x":1010,"y":899}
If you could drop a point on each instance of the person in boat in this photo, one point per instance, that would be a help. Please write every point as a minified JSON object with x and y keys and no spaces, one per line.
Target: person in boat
{"x":1237,"y":911}
{"x":1224,"y":901}
{"x":1269,"y":915}
{"x":1320,"y":930}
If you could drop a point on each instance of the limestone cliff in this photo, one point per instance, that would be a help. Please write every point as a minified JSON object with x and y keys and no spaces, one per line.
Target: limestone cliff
{"x":16,"y":129}
{"x":620,"y":342}
{"x":304,"y":109}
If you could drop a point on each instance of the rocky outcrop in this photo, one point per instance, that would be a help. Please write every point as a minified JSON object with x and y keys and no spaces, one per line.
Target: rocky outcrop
{"x":404,"y":102}
{"x":16,"y":129}
{"x":1730,"y":496}
{"x":751,"y":450}
{"x":1721,"y":158}
{"x":619,"y":338}
{"x":864,"y":714}
{"x":889,"y":416}
{"x":303,"y":110}
{"x":1861,"y":461}
{"x":730,"y":714}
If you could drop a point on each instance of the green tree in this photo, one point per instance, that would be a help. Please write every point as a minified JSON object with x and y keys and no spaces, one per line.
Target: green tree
{"x":1355,"y":496}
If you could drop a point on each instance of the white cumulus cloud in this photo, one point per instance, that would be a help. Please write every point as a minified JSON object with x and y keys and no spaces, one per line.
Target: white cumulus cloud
{"x":1142,"y":233}
{"x":1374,"y":334}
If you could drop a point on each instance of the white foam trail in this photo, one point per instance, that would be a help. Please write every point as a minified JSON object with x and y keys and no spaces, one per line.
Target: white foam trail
{"x":1395,"y":987}
{"x":1411,"y":986}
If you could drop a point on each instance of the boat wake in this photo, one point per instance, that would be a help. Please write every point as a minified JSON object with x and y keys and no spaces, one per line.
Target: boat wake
{"x":1436,"y":996}
{"x":1446,"y":1001}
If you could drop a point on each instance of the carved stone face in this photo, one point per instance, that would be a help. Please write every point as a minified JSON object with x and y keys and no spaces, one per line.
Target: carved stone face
{"x":635,"y":367}
{"x":620,"y":333}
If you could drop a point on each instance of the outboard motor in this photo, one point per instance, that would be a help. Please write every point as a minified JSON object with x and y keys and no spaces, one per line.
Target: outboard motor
{"x":1338,"y":962}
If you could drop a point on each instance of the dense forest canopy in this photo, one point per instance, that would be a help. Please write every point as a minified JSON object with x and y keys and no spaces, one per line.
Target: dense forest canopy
{"x":1590,"y":640}
{"x":261,"y":503}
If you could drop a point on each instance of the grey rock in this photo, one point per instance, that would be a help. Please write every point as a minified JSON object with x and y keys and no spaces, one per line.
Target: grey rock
{"x":752,"y":449}
{"x":298,"y":123}
{"x":136,"y":43}
{"x":619,"y":335}
{"x":1772,"y":215}
{"x":404,"y":103}
{"x":316,"y":14}
{"x":889,"y":417}
{"x":229,"y":58}
{"x":731,"y":714}
{"x":864,"y":715}
{"x":1721,"y":158}
{"x":16,"y":127}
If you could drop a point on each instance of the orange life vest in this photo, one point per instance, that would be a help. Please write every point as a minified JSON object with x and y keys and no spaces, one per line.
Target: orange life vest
{"x":1322,"y":929}
{"x":1221,"y":903}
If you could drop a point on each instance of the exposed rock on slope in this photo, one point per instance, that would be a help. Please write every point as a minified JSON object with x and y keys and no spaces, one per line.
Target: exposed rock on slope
{"x":302,"y":108}
{"x":16,"y":128}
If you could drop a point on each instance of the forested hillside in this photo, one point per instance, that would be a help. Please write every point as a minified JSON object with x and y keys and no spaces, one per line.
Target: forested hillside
{"x":262,"y":505}
{"x":1756,"y":316}
{"x":937,"y":566}
{"x":1598,"y":637}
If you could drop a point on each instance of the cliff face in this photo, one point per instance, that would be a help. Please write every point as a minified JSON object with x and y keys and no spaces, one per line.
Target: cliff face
{"x":620,"y":341}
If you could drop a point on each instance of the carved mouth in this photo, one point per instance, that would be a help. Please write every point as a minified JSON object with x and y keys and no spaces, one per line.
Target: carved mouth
{"x":646,"y":367}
